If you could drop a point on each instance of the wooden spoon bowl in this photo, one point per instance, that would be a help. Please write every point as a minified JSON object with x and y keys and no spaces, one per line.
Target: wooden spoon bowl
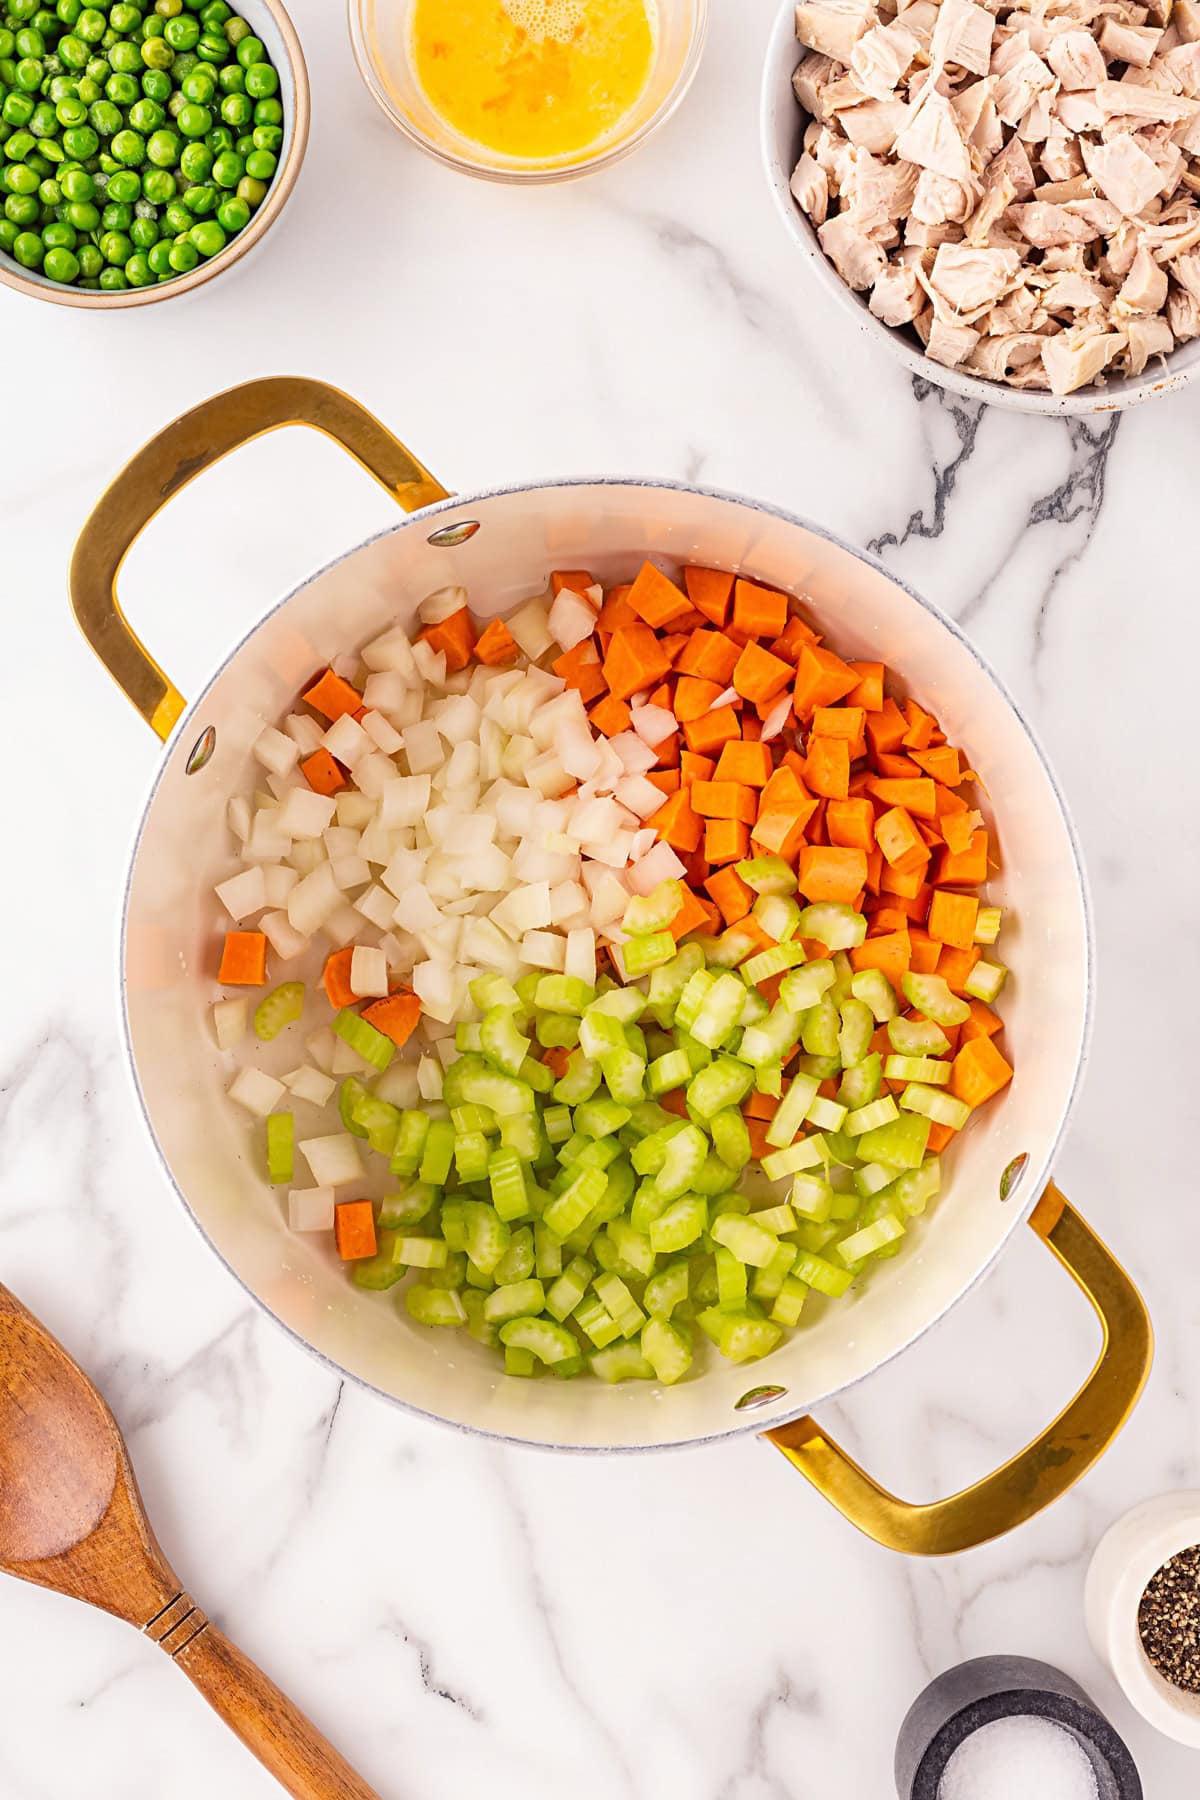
{"x":72,"y":1519}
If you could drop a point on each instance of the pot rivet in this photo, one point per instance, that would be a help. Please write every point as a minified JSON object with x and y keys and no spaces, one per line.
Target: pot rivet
{"x":759,"y":1396}
{"x":446,"y":536}
{"x":1013,"y":1174}
{"x":201,"y":751}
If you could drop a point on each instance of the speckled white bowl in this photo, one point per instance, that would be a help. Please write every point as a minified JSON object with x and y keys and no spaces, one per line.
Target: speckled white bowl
{"x":783,"y":123}
{"x":1128,"y":1554}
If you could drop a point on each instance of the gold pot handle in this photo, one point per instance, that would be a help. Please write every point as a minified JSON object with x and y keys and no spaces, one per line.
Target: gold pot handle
{"x":1047,"y":1467}
{"x":176,"y":456}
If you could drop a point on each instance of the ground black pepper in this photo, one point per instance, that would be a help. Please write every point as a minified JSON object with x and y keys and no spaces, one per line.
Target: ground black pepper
{"x":1169,"y":1620}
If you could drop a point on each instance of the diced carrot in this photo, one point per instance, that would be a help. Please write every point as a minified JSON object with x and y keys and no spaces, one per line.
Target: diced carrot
{"x":758,"y":611}
{"x":942,"y":763}
{"x":677,"y":824}
{"x":556,"y":1059}
{"x":888,"y":918}
{"x":955,"y":965}
{"x":817,"y":831}
{"x":965,"y":868}
{"x":726,"y":840}
{"x":895,"y":768}
{"x":611,"y":715}
{"x":732,"y":895}
{"x":939,"y":1136}
{"x":687,"y":622}
{"x":952,"y":918}
{"x":916,"y":796}
{"x":953,"y":808}
{"x":580,"y":669}
{"x":655,"y":598}
{"x":827,"y":768}
{"x":921,"y":726}
{"x":669,"y":752}
{"x":635,"y":660}
{"x":724,"y":800}
{"x":795,"y":634}
{"x":821,"y":679}
{"x":931,"y":837}
{"x":336,"y":978}
{"x":758,"y":675}
{"x":661,"y":696}
{"x":331,"y":696}
{"x":694,"y":697}
{"x":712,"y":731}
{"x":978,"y":1072}
{"x":829,"y":873}
{"x":851,"y":824}
{"x":710,"y":591}
{"x":886,"y":728}
{"x":693,"y":915}
{"x":396,"y":1016}
{"x":905,"y":881}
{"x":495,"y":645}
{"x":874,"y":869}
{"x":839,"y":722}
{"x":925,"y":951}
{"x":578,"y":580}
{"x":709,"y":654}
{"x":322,"y":773}
{"x":616,"y":612}
{"x":756,"y":1130}
{"x":748,"y":763}
{"x":243,"y":959}
{"x":761,"y":1106}
{"x":785,"y":808}
{"x":694,"y":767}
{"x":675,"y":1102}
{"x":354,"y":1229}
{"x":983,"y":1022}
{"x":665,"y":780}
{"x":454,"y":637}
{"x":899,"y":839}
{"x":891,"y":953}
{"x":869,"y":692}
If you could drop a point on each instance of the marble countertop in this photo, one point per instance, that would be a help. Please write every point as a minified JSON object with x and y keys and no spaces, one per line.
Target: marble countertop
{"x":698,"y":1626}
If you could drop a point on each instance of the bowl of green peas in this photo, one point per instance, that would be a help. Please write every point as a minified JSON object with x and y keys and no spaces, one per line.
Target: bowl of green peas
{"x":145,"y":145}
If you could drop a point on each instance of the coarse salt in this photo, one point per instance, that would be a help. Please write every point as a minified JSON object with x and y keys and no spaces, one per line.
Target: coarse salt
{"x":1022,"y":1755}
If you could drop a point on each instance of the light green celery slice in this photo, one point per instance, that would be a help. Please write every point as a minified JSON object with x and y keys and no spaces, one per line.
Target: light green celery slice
{"x":597,"y":1322}
{"x":846,"y":1205}
{"x":740,"y":1338}
{"x":438,"y":1152}
{"x":731,"y":1281}
{"x":692,"y":998}
{"x":633,"y":1247}
{"x":350,"y":1095}
{"x":619,"y":1303}
{"x":748,"y":1241}
{"x":826,"y":1115}
{"x":837,"y":927}
{"x":471,"y":1118}
{"x":562,"y":993}
{"x":684,"y":1154}
{"x":434,"y":1306}
{"x":373,"y":1046}
{"x":820,"y":1026}
{"x":556,"y":1122}
{"x":500,"y":1040}
{"x":804,"y":987}
{"x":549,"y":1342}
{"x":778,"y":1218}
{"x":680,"y":1225}
{"x":567,"y":1292}
{"x":902,"y":1143}
{"x":789,"y":1302}
{"x":769,"y":1041}
{"x":917,"y":1037}
{"x":861,"y":1084}
{"x":918,"y":1068}
{"x":517,"y":1262}
{"x":809,"y":1235}
{"x":792,"y":1110}
{"x":504,"y":1094}
{"x":668,"y":982}
{"x":667,"y":1348}
{"x":768,"y":875}
{"x":649,"y":1154}
{"x":452,"y":1273}
{"x":811,"y":1197}
{"x":623,"y":1362}
{"x":567,"y":1211}
{"x":931,"y":995}
{"x":519,"y":1362}
{"x":864,"y":1243}
{"x":648,"y":1205}
{"x":667,"y":1072}
{"x":932,"y":1103}
{"x":487,"y":1235}
{"x":641,"y":954}
{"x":556,"y":1031}
{"x":873,"y":988}
{"x":913,"y":1190}
{"x":282,"y":1007}
{"x":731,"y":1137}
{"x":422,"y":1252}
{"x":410,"y":1142}
{"x":985,"y":981}
{"x":467,"y":1036}
{"x":414,"y":1201}
{"x":381,"y":1271}
{"x":725,"y":1082}
{"x":523,"y":1133}
{"x":455,"y":1221}
{"x":477,"y":1326}
{"x":719,"y":1011}
{"x":754,"y":1008}
{"x":872,"y":1178}
{"x":987,"y":924}
{"x":768,"y":1282}
{"x":769,"y":1081}
{"x":666,"y":1290}
{"x":779,"y":917}
{"x":623,"y":1003}
{"x":875,"y":1113}
{"x":601,"y":1117}
{"x":516,"y":1300}
{"x":857,"y":1030}
{"x":731,"y":948}
{"x":490,"y":990}
{"x":773,"y":961}
{"x":536,"y":1075}
{"x":624,"y":1075}
{"x":281,"y":1147}
{"x":653,"y":912}
{"x":816,"y":1272}
{"x":471,"y":1156}
{"x":579,"y":1081}
{"x":807,"y":1154}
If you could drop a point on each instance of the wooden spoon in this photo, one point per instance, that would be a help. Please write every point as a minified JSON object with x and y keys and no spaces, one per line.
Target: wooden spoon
{"x":71,"y":1518}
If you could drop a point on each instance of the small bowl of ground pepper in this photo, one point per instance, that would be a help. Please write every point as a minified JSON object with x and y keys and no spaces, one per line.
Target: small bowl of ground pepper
{"x":1143,"y":1611}
{"x":145,"y":145}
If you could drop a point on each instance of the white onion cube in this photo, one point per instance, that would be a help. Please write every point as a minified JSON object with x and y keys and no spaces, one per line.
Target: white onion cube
{"x":243,"y":894}
{"x":368,"y":973}
{"x":334,"y":1160}
{"x":305,"y":814}
{"x":229,"y":1022}
{"x":311,"y":1209}
{"x":257,"y":1091}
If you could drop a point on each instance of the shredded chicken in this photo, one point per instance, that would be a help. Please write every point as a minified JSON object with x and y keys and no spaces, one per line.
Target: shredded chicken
{"x":1016,"y":184}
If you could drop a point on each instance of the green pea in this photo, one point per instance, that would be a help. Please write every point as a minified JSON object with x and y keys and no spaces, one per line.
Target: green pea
{"x":43,"y":121}
{"x":58,"y":235}
{"x":268,"y":137}
{"x":9,"y":233}
{"x":159,"y":186}
{"x":208,"y":237}
{"x":116,"y":248}
{"x":220,"y":138}
{"x":157,"y":85}
{"x":184,"y":64}
{"x":251,"y":50}
{"x":125,"y":58}
{"x":61,"y":265}
{"x":62,"y":87}
{"x":262,"y":164}
{"x":251,"y":190}
{"x":233,"y":215}
{"x":159,"y":257}
{"x":184,"y":256}
{"x":19,"y":145}
{"x":244,"y":145}
{"x":116,"y":218}
{"x":19,"y":10}
{"x":8,"y":72}
{"x":30,"y":42}
{"x":268,"y":112}
{"x":68,"y":10}
{"x":20,"y":180}
{"x":29,"y":250}
{"x":232,"y":79}
{"x":111,"y":279}
{"x":199,"y":85}
{"x":125,"y":187}
{"x":88,"y":91}
{"x":235,"y":30}
{"x":168,"y":9}
{"x":81,"y":141}
{"x":194,"y":121}
{"x":90,"y":260}
{"x":45,"y":21}
{"x":162,"y":149}
{"x":182,"y":33}
{"x":138,"y":271}
{"x":84,"y":215}
{"x":106,"y":119}
{"x":146,"y":115}
{"x":144,"y":233}
{"x":212,"y":48}
{"x":216,"y":14}
{"x":157,"y":53}
{"x":228,"y":169}
{"x":77,"y":184}
{"x":237,"y":109}
{"x":99,"y":68}
{"x":129,"y":147}
{"x":29,"y":74}
{"x":71,"y":111}
{"x":122,"y":90}
{"x":17,"y":109}
{"x":91,"y":25}
{"x":200,"y":200}
{"x":49,"y":193}
{"x":153,"y":27}
{"x":8,"y":41}
{"x":73,"y":53}
{"x":196,"y":162}
{"x":177,"y":218}
{"x":22,"y":209}
{"x":123,"y":17}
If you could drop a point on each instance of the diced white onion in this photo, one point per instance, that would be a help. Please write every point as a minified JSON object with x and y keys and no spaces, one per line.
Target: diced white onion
{"x":525,"y":909}
{"x":304,"y":732}
{"x":529,"y":630}
{"x":571,"y":619}
{"x":398,"y":1085}
{"x":441,"y":604}
{"x":282,"y":936}
{"x":659,"y":864}
{"x":368,"y":973}
{"x":305,"y":814}
{"x":653,"y":724}
{"x":377,"y":905}
{"x":310,"y":1209}
{"x":257,"y":1091}
{"x":243,"y":894}
{"x":307,"y":1083}
{"x":229,"y":1022}
{"x":342,"y":926}
{"x":639,"y":795}
{"x":544,"y":950}
{"x":333,"y":1160}
{"x":580,"y":958}
{"x":429,"y":1078}
{"x":414,"y":910}
{"x":313,"y":899}
{"x":279,"y":880}
{"x":391,"y":651}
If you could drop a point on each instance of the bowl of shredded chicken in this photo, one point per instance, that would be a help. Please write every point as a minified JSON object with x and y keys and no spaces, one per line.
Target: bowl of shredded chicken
{"x":1009,"y":195}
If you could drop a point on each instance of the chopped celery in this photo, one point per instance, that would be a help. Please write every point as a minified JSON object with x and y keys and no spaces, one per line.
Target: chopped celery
{"x":754,"y":1008}
{"x":768,"y":1282}
{"x":487,"y":1236}
{"x":871,"y":1238}
{"x":778,"y":1218}
{"x":779,"y":918}
{"x":500,"y":1040}
{"x":562,"y":993}
{"x":624,"y":1073}
{"x":943,"y":1109}
{"x":633,"y":1247}
{"x":667,"y":1072}
{"x":768,"y":875}
{"x":789,"y":1302}
{"x":493,"y":990}
{"x":902,"y":1143}
{"x":597,"y":1322}
{"x":812,"y":1198}
{"x":836,"y":926}
{"x":826,"y":1115}
{"x":556,"y":1122}
{"x":619,"y":1303}
{"x":350,"y":1094}
{"x":774,"y":961}
{"x":623,"y":1362}
{"x":680,"y":1225}
{"x":771,"y":1039}
{"x":669,"y":980}
{"x":282,"y":1007}
{"x":719,"y":1011}
{"x":873,"y":988}
{"x":807,"y":1154}
{"x":517,"y":1262}
{"x":477,"y":1327}
{"x":414,"y":1201}
{"x":438,"y":1152}
{"x":739,"y":1336}
{"x":731,"y":948}
{"x":731,"y":1280}
{"x":556,"y":1031}
{"x":820,"y":1026}
{"x":666,"y":1290}
{"x":667,"y":1348}
{"x":518,"y":1361}
{"x":931,"y":995}
{"x":409,"y":1144}
{"x":548,"y":1259}
{"x":987,"y":924}
{"x":857,"y":1030}
{"x":542,"y":1338}
{"x":599,"y":1118}
{"x":684,"y":1154}
{"x":422,"y":1252}
{"x":985,"y":981}
{"x":567,"y":1211}
{"x":725,"y":1082}
{"x":916,"y":1037}
{"x":875,"y":1113}
{"x":915,"y":1188}
{"x":648,"y":1205}
{"x":434,"y":1306}
{"x":815,"y":1272}
{"x":748,"y":1241}
{"x":373,"y":1046}
{"x":918,"y":1068}
{"x":872,"y":1178}
{"x":861,"y":1084}
{"x":804,"y":987}
{"x":580,"y":1080}
{"x":281,"y":1147}
{"x":792,"y":1110}
{"x":641,"y":954}
{"x":488,"y":1087}
{"x":381,"y":1271}
{"x":467,"y":1036}
{"x":473,"y":1118}
{"x":518,"y":1300}
{"x":471,"y":1156}
{"x":569,"y":1289}
{"x":647,"y":914}
{"x":731,"y":1137}
{"x":523,"y":1133}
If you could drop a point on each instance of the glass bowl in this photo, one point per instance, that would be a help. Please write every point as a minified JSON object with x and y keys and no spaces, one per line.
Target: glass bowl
{"x":379,"y":31}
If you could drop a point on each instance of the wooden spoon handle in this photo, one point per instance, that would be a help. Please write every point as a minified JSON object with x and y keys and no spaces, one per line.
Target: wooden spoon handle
{"x":284,"y":1741}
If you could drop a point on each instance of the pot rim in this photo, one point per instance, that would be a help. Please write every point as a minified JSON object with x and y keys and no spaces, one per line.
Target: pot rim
{"x":1033,"y":1176}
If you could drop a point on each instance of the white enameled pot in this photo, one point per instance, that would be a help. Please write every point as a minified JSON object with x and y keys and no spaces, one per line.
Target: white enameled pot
{"x":782,"y":125}
{"x":499,"y":545}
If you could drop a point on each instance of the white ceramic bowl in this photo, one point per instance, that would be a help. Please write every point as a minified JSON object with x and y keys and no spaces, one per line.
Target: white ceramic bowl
{"x":1129,"y":1553}
{"x":783,"y":123}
